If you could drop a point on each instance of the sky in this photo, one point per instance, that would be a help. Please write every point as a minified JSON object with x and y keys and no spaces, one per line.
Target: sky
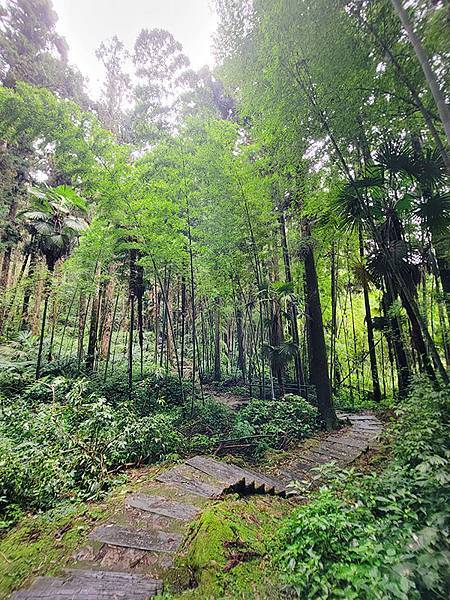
{"x":86,"y":23}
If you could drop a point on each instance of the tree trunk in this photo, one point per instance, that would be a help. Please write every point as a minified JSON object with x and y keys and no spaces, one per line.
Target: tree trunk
{"x":183,"y":322}
{"x":418,"y":341}
{"x":217,"y":361}
{"x":44,"y":319}
{"x":401,"y":361}
{"x":240,"y":344}
{"x":430,"y":76}
{"x":25,"y":321}
{"x":443,"y":265}
{"x":110,"y":335}
{"x":277,"y":366}
{"x":140,"y":289}
{"x":292,"y":309}
{"x":318,"y":353}
{"x":93,"y":328}
{"x":369,"y":325}
{"x":130,"y":347}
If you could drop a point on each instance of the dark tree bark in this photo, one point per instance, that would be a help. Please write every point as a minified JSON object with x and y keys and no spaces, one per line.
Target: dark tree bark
{"x":93,"y":328}
{"x":292,"y":309}
{"x":369,"y":326}
{"x":41,"y":336}
{"x":318,"y":354}
{"x":183,"y":323}
{"x":396,"y":339}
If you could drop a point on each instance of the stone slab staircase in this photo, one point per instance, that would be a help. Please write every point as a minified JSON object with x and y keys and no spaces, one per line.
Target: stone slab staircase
{"x":126,"y":559}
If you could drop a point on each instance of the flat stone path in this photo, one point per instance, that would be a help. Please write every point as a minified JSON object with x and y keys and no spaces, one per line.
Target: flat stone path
{"x":126,"y":559}
{"x":341,"y":447}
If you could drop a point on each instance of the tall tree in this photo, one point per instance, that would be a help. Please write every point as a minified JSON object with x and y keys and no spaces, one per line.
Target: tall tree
{"x":427,"y":69}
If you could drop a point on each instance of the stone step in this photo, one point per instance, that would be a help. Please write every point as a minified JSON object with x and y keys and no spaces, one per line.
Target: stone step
{"x":192,"y":480}
{"x":150,"y":540}
{"x":232,"y":476}
{"x":162,"y":506}
{"x":333,"y":451}
{"x":91,"y":585}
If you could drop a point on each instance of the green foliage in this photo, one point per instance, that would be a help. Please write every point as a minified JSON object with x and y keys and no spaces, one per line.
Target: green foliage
{"x":64,"y":437}
{"x":276,"y":422}
{"x":59,"y":441}
{"x":382,"y":535}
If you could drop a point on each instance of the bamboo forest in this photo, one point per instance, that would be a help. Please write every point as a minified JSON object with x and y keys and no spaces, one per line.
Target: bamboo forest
{"x":224,"y":299}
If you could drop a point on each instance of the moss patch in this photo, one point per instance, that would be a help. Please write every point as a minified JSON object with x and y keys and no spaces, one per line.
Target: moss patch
{"x":44,"y":544}
{"x":227,"y":551}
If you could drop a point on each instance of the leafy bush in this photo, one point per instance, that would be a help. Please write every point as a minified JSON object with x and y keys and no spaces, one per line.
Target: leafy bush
{"x":51,"y":450}
{"x":277,"y":422}
{"x":153,"y":390}
{"x":385,"y":535}
{"x":63,"y":437}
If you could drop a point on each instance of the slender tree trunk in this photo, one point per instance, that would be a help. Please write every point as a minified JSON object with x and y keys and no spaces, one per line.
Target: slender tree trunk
{"x":418,"y":342}
{"x":369,"y":326}
{"x":66,"y":322}
{"x":183,"y":322}
{"x":43,"y":322}
{"x":403,"y":371}
{"x":130,"y":346}
{"x":140,"y":317}
{"x":430,"y":76}
{"x":110,"y":335}
{"x":54,"y":323}
{"x":107,"y":316}
{"x":217,"y":361}
{"x":318,"y":353}
{"x":241,"y":364}
{"x":333,"y":278}
{"x":276,"y":341}
{"x":8,"y":311}
{"x":443,"y":264}
{"x":292,"y":308}
{"x":93,"y":328}
{"x":25,"y":320}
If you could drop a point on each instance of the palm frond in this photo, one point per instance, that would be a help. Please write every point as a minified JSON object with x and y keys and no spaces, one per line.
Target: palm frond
{"x":397,"y":157}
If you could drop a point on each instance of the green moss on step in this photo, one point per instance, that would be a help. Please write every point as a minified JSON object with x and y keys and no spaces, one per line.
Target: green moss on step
{"x":226,"y":554}
{"x":44,"y":544}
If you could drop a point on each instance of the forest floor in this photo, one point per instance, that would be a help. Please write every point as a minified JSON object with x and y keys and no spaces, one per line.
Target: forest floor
{"x":204,"y":527}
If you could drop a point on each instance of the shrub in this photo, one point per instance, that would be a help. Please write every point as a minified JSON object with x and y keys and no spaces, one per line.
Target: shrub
{"x":153,"y":390}
{"x":279,"y":422}
{"x":385,"y":535}
{"x":51,"y":450}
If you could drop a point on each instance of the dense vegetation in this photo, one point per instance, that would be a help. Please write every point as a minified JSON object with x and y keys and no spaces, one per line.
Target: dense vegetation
{"x":380,"y":535}
{"x":275,"y":228}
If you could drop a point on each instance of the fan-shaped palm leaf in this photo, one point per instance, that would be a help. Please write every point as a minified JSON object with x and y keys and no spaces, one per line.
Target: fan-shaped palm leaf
{"x":397,"y":157}
{"x":430,"y":169}
{"x":434,"y":212}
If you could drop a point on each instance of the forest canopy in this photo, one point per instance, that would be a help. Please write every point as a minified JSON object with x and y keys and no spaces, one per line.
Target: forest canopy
{"x":274,"y":227}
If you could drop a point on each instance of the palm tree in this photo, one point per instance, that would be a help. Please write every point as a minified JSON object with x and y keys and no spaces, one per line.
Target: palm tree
{"x":432,"y":206}
{"x":377,"y":200}
{"x":54,"y":221}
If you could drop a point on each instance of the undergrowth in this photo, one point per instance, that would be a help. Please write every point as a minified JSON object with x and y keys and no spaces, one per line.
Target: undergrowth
{"x":380,"y":536}
{"x":65,"y":437}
